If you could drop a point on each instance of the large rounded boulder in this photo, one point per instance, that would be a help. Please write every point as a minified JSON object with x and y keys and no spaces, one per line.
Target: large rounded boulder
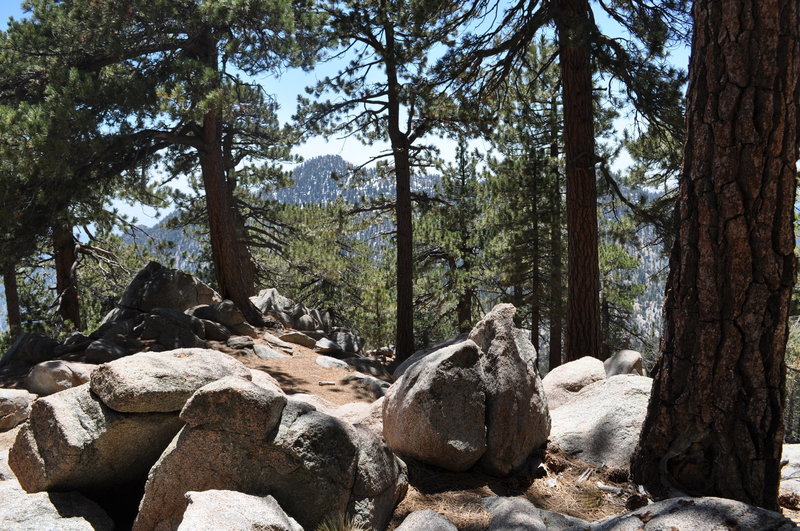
{"x":251,"y":439}
{"x":477,"y":401}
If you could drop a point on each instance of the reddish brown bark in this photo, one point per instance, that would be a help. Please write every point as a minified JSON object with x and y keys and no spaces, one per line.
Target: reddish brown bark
{"x":556,"y":316}
{"x":66,"y":286}
{"x":12,"y":300}
{"x":404,"y":346}
{"x":714,"y":425}
{"x":583,"y":306}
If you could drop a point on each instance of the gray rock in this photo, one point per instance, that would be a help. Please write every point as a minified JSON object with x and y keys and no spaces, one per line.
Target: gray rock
{"x":327,"y":361}
{"x":173,"y":329}
{"x":161,"y":381}
{"x":366,"y":415}
{"x":697,"y":514}
{"x":225,"y":313}
{"x":265,"y":380}
{"x":233,"y":404}
{"x":602,"y":422}
{"x":105,"y":350}
{"x":215,"y":331}
{"x":349,"y":342}
{"x":624,"y":362}
{"x":156,"y":286}
{"x":790,"y":471}
{"x":119,"y":329}
{"x":269,"y":300}
{"x":517,"y":416}
{"x":426,"y":520}
{"x":245,"y":329}
{"x":521,"y":514}
{"x":240,"y":342}
{"x":563,"y":383}
{"x":226,"y":510}
{"x":328,"y":347}
{"x":368,"y":366}
{"x":418,"y":411}
{"x":367,"y":385}
{"x":277,"y":342}
{"x":15,"y":406}
{"x":420,"y":354}
{"x":513,"y":514}
{"x":304,"y":323}
{"x":266,"y":353}
{"x":62,"y":511}
{"x":74,"y":342}
{"x":298,"y":338}
{"x":73,"y":441}
{"x":313,"y":464}
{"x":53,"y":376}
{"x":28,"y":350}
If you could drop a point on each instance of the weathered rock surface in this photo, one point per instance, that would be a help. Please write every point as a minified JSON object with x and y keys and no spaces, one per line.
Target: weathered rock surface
{"x":269,"y":300}
{"x":602,"y":422}
{"x":313,"y":464}
{"x":278,"y":343}
{"x":369,"y":416}
{"x":366,"y":385}
{"x":53,"y":376}
{"x":15,"y":406}
{"x":215,"y":331}
{"x":266,"y":353}
{"x":161,"y":381}
{"x":420,"y":354}
{"x":298,"y":338}
{"x":368,"y":366}
{"x":172,"y":329}
{"x":517,"y":416}
{"x":156,"y":286}
{"x":790,"y":472}
{"x":562,"y":383}
{"x":28,"y":350}
{"x":62,"y":511}
{"x":225,"y":313}
{"x":624,"y":362}
{"x":105,"y":350}
{"x":426,"y":520}
{"x":436,"y":412}
{"x":697,"y":514}
{"x":328,"y":347}
{"x":226,"y":510}
{"x":520,"y":514}
{"x":74,"y":441}
{"x":235,"y":404}
{"x":240,"y":342}
{"x":329,"y":362}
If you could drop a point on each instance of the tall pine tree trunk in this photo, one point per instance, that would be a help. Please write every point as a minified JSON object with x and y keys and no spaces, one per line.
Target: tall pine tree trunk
{"x":556,"y":316}
{"x":714,"y":425}
{"x":583,"y":278}
{"x":233,"y":265}
{"x":66,"y":282}
{"x":401,"y":150}
{"x":12,"y":300}
{"x":536,"y":298}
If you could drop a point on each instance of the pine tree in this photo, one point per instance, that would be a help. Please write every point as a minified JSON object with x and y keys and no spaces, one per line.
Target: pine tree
{"x":714,"y":424}
{"x":385,"y":93}
{"x":169,"y":75}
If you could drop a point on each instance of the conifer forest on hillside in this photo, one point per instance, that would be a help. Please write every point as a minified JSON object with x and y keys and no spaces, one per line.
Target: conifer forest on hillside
{"x":623,"y":172}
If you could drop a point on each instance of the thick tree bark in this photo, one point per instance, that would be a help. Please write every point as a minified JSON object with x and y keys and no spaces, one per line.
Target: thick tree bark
{"x":66,"y":285}
{"x":12,"y":300}
{"x":714,"y":425}
{"x":233,"y":265}
{"x":583,"y":306}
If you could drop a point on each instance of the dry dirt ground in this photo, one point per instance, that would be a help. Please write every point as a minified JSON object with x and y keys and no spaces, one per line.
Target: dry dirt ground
{"x":561,"y":483}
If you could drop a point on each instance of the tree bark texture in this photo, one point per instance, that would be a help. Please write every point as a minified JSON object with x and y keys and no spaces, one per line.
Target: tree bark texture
{"x":401,"y":150}
{"x":66,"y":282}
{"x":536,"y":285}
{"x":583,"y":276}
{"x":12,"y":300}
{"x":556,"y":267}
{"x":233,"y":266}
{"x":714,"y":425}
